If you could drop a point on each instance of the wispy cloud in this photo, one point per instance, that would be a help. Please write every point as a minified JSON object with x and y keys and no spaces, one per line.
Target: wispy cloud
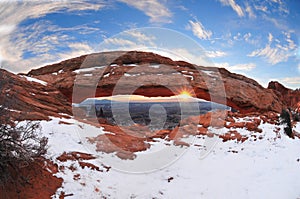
{"x":199,"y":30}
{"x":146,"y":41}
{"x":76,"y":49}
{"x":249,"y":10}
{"x":157,"y":12}
{"x":81,"y":29}
{"x":291,"y":82}
{"x":191,"y":57}
{"x":279,"y":23}
{"x":22,"y":48}
{"x":275,"y":53}
{"x":129,"y":40}
{"x":237,"y":67}
{"x":141,"y":37}
{"x":262,"y":8}
{"x":271,"y":6}
{"x":248,"y":37}
{"x":214,"y":54}
{"x":234,"y":6}
{"x":258,"y":8}
{"x":31,"y":47}
{"x":119,"y":42}
{"x":14,"y":12}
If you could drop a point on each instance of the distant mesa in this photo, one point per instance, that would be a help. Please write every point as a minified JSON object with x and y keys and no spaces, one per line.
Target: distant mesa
{"x":140,"y":109}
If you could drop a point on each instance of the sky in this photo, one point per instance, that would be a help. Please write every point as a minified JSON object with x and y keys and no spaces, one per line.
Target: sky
{"x":259,"y":39}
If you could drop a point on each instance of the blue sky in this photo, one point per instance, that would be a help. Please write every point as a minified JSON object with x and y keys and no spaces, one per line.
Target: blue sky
{"x":259,"y":39}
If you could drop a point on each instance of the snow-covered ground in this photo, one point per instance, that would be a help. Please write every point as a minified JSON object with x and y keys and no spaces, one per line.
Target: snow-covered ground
{"x":266,"y":168}
{"x":31,"y":79}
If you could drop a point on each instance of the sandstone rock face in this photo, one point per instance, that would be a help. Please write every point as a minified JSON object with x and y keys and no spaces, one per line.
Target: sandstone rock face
{"x":290,"y":98}
{"x":29,"y":99}
{"x":149,"y":74}
{"x":41,"y":181}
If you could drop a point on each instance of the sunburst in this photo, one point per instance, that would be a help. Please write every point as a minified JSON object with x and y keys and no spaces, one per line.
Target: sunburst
{"x":185,"y":94}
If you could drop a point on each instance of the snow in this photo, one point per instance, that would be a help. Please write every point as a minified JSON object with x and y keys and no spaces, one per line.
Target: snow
{"x":185,"y":71}
{"x":189,"y":76}
{"x":130,"y":65}
{"x":262,"y":169}
{"x":131,"y":75}
{"x":31,"y":79}
{"x":127,"y":75}
{"x":209,"y":73}
{"x":106,"y":75}
{"x":265,"y":168}
{"x":155,"y":66}
{"x":84,"y":70}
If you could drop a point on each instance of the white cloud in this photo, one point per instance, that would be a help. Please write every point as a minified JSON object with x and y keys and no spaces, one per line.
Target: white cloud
{"x":14,"y":12}
{"x":186,"y":55}
{"x":182,"y":54}
{"x":234,"y":6}
{"x":77,"y":49}
{"x":213,"y":54}
{"x":199,"y":30}
{"x":291,"y":82}
{"x":157,"y":12}
{"x":270,"y":38}
{"x":247,"y":36}
{"x":15,"y":41}
{"x":222,"y":65}
{"x":6,"y":29}
{"x":250,"y":11}
{"x":282,"y":7}
{"x":119,"y":42}
{"x":244,"y":67}
{"x":272,"y":6}
{"x":129,"y":40}
{"x":278,"y":22}
{"x":141,"y":37}
{"x":237,"y":37}
{"x":275,"y":53}
{"x":122,"y":42}
{"x":237,"y":67}
{"x":40,"y":48}
{"x":291,"y":43}
{"x":81,"y":29}
{"x":261,"y":8}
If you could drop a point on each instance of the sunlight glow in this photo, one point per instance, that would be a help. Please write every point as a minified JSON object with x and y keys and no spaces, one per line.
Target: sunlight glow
{"x":185,"y":94}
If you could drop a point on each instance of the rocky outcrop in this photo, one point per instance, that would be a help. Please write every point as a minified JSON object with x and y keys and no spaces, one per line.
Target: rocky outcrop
{"x":25,"y":98}
{"x":37,"y":181}
{"x":289,"y":97}
{"x":149,"y":74}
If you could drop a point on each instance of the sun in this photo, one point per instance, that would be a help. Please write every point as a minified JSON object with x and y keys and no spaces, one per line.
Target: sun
{"x":185,"y":94}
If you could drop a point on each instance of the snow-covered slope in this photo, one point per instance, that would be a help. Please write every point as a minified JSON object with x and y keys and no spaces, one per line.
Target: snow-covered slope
{"x":266,"y":165}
